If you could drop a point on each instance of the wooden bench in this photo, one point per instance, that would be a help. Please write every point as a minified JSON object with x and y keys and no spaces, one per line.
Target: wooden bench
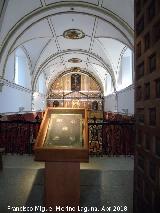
{"x":2,"y":150}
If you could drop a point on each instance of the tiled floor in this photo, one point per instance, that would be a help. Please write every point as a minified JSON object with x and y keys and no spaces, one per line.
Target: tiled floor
{"x":105,"y":182}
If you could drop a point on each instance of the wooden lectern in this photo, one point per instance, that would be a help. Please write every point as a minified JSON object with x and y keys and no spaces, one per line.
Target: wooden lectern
{"x":62,"y":143}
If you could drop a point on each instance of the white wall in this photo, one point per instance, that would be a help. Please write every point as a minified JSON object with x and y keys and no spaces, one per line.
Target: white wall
{"x":41,"y":84}
{"x":9,"y":69}
{"x":125,"y":100}
{"x":11,"y":99}
{"x":38,"y":102}
{"x":39,"y":96}
{"x":108,"y":85}
{"x":110,"y":103}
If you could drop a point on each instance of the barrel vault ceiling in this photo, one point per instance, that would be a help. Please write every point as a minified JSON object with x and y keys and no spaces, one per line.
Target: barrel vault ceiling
{"x":59,"y":35}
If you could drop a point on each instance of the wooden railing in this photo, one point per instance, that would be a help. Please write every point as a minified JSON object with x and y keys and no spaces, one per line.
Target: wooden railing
{"x":18,"y":136}
{"x":111,"y":138}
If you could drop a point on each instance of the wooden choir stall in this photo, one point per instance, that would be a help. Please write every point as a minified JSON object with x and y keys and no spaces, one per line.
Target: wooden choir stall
{"x":62,"y":143}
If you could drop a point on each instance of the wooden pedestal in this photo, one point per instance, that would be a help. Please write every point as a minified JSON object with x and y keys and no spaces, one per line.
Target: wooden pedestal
{"x":62,"y":185}
{"x":62,"y":163}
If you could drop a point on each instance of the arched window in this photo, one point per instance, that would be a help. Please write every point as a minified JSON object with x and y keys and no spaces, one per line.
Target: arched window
{"x":22,"y":73}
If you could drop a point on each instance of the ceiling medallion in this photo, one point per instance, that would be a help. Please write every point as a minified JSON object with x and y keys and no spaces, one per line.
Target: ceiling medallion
{"x":75,"y":69}
{"x":74,"y":60}
{"x":73,"y":34}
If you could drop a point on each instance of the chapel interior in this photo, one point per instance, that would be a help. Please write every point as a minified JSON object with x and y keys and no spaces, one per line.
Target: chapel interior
{"x":87,"y":73}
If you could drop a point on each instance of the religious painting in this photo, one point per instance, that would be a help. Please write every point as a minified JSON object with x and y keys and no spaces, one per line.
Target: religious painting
{"x":75,"y":82}
{"x":64,"y":130}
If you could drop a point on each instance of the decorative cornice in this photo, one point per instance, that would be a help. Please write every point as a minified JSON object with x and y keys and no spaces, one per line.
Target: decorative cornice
{"x":13,"y":85}
{"x":28,"y":57}
{"x":120,"y":58}
{"x":19,"y":87}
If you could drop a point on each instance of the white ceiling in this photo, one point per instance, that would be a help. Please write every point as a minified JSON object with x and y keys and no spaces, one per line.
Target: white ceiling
{"x":38,"y":27}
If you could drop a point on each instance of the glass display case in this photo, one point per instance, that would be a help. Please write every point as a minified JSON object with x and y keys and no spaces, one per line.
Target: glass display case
{"x":63,"y":135}
{"x":64,"y":130}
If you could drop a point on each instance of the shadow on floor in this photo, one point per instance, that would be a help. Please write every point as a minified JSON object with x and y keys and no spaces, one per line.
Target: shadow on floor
{"x":24,"y":187}
{"x":36,"y":195}
{"x":98,"y":189}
